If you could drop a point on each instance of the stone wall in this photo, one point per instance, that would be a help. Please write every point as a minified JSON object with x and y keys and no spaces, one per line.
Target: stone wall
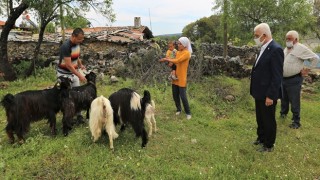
{"x":246,"y":54}
{"x":103,"y":56}
{"x":19,"y":50}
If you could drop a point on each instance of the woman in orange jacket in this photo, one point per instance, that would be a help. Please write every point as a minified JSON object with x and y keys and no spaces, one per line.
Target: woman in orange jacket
{"x":179,"y":86}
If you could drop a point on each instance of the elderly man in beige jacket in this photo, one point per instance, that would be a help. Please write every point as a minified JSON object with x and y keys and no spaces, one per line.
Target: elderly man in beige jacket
{"x":293,"y":71}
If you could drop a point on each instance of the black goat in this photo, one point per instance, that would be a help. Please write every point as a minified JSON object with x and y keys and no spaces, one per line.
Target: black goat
{"x":28,"y":106}
{"x":78,"y":99}
{"x":129,"y":107}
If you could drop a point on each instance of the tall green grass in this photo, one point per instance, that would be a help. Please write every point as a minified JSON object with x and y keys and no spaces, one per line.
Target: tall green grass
{"x":214,"y":144}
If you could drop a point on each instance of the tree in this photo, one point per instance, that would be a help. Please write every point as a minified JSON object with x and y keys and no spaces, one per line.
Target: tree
{"x":13,"y":14}
{"x":316,"y":13}
{"x":74,"y":19}
{"x":225,"y":28}
{"x":62,"y":21}
{"x":281,"y":15}
{"x":47,"y":11}
{"x":51,"y":28}
{"x":205,"y":29}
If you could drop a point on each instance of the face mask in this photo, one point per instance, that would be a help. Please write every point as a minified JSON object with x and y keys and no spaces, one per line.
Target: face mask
{"x":289,"y":44}
{"x":258,"y":42}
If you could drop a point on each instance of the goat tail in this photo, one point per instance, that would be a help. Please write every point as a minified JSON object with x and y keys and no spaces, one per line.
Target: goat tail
{"x":146,"y":99}
{"x":104,"y":107}
{"x":107,"y":109}
{"x":7,"y":101}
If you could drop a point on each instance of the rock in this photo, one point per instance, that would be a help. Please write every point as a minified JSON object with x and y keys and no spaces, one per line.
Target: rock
{"x":309,"y":90}
{"x":230,"y":98}
{"x":4,"y":85}
{"x":193,"y":141}
{"x":114,"y":79}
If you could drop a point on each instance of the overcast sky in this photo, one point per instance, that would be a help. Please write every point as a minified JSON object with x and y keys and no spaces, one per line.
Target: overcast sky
{"x":166,"y":16}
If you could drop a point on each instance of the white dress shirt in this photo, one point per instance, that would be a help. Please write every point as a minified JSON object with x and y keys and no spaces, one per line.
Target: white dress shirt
{"x":294,"y":59}
{"x":262,"y":50}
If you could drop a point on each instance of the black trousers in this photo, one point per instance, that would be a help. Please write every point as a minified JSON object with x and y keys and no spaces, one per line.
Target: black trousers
{"x":266,"y":121}
{"x":173,"y":67}
{"x":291,"y":95}
{"x":180,"y":92}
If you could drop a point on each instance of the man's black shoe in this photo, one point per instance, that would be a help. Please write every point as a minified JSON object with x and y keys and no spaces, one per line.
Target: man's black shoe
{"x":294,"y":126}
{"x":265,"y":149}
{"x":257,"y":142}
{"x":283,"y":116}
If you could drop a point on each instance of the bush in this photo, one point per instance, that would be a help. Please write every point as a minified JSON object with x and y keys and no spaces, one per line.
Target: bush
{"x":316,"y":49}
{"x":21,"y":68}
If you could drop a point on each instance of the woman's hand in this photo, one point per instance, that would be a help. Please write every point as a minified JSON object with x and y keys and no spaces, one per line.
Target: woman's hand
{"x":163,"y":60}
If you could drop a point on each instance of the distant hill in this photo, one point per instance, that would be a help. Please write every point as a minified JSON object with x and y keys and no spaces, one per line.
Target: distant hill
{"x":169,"y":35}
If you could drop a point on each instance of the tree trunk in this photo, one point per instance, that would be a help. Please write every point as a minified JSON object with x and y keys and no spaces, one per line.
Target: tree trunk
{"x":43,"y":25}
{"x":32,"y":66}
{"x":62,"y":22}
{"x":5,"y":66}
{"x":225,"y":29}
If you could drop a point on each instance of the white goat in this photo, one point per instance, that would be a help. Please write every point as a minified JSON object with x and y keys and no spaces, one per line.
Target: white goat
{"x":101,"y":117}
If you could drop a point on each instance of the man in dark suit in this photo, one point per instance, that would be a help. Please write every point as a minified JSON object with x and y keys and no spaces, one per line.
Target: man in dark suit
{"x":265,"y":86}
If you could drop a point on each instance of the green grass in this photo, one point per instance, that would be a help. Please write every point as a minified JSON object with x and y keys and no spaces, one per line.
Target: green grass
{"x":214,"y":144}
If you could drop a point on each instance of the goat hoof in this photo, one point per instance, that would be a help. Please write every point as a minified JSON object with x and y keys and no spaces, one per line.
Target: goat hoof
{"x":54,"y":133}
{"x":80,"y":120}
{"x":11,"y":141}
{"x":21,"y":141}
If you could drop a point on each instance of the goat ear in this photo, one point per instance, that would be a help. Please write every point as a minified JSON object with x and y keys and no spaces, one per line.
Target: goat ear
{"x":58,"y":84}
{"x":85,"y":72}
{"x":70,"y":79}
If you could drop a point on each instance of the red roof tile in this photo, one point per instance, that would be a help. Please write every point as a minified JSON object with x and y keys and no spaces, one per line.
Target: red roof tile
{"x":98,"y":29}
{"x":2,"y":23}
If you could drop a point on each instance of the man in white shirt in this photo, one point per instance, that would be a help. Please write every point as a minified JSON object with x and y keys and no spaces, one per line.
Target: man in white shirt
{"x":293,"y":72}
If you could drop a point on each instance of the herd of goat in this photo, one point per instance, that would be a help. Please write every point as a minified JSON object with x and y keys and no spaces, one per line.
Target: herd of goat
{"x":122,"y":108}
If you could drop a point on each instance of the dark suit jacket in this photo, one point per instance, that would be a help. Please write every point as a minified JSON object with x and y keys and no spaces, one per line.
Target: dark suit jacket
{"x":266,"y":76}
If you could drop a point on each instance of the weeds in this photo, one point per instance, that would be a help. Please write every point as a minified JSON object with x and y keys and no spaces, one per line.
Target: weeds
{"x":214,"y":144}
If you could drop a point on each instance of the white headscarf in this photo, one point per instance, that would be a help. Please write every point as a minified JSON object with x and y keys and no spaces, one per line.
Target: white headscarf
{"x":186,"y":43}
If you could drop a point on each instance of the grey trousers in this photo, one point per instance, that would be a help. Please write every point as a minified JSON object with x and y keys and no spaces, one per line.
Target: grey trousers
{"x":74,"y":78}
{"x":291,"y":96}
{"x":180,"y":92}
